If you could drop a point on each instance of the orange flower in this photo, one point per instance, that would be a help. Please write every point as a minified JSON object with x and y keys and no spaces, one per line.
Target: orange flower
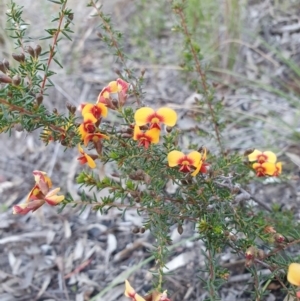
{"x":95,"y":137}
{"x":147,"y":115}
{"x":94,"y":112}
{"x":185,"y":161}
{"x":293,"y":275}
{"x":262,"y":157}
{"x":85,"y":158}
{"x":263,"y":169}
{"x":145,"y":139}
{"x":87,"y":127}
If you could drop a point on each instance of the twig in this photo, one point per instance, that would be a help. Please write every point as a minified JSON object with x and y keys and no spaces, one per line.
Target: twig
{"x":54,"y":43}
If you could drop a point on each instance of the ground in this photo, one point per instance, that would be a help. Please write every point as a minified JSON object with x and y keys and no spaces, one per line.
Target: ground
{"x":73,"y":256}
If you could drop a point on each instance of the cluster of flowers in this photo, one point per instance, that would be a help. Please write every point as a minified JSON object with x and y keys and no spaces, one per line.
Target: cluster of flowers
{"x":92,"y":115}
{"x":154,"y":296}
{"x":147,"y":128}
{"x":265,"y":163}
{"x":39,"y":194}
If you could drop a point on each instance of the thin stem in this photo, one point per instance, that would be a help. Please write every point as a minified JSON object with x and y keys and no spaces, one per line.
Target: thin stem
{"x":53,"y":46}
{"x":201,"y":73}
{"x":115,"y":44}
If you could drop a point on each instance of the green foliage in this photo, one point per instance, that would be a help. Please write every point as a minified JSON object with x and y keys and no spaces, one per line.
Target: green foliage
{"x":213,"y":200}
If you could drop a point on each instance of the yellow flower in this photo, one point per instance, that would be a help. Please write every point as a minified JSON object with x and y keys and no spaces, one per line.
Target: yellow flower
{"x":146,"y":138}
{"x":163,"y":115}
{"x":263,"y":169}
{"x":94,"y":112}
{"x":262,"y":157}
{"x":293,"y":275}
{"x":193,"y":159}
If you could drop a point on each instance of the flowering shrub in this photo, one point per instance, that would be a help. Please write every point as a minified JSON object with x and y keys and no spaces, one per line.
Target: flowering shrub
{"x":144,"y":151}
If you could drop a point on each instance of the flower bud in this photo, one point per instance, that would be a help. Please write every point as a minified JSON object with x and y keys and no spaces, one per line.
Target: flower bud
{"x":248,"y":263}
{"x":37,"y":51}
{"x":279,"y":238}
{"x":261,"y":254}
{"x":269,"y":229}
{"x":39,"y":98}
{"x":18,"y":127}
{"x":71,"y":108}
{"x":180,"y":229}
{"x":5,"y":79}
{"x":6,"y":63}
{"x":248,"y":152}
{"x":169,"y":129}
{"x":19,"y":57}
{"x":115,"y":103}
{"x":136,"y":230}
{"x":251,"y":253}
{"x":16,"y":80}
{"x":2,"y":67}
{"x":30,"y":50}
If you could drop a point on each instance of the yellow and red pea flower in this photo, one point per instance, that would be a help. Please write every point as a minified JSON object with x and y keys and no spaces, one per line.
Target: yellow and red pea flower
{"x":87,"y":127}
{"x":263,"y":169}
{"x":93,"y":112}
{"x":145,"y":138}
{"x":85,"y":158}
{"x":42,"y":180}
{"x":118,"y":86}
{"x":147,"y":115}
{"x":95,"y":137}
{"x":186,"y":162}
{"x":39,"y":194}
{"x":293,"y":275}
{"x":262,"y":157}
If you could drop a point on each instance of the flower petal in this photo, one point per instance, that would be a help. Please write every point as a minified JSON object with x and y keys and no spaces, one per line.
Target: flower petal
{"x":271,"y":157}
{"x":293,"y":275}
{"x":153,"y":135}
{"x":253,"y":156}
{"x":174,"y":158}
{"x":196,"y":171}
{"x":169,"y":116}
{"x":52,"y":198}
{"x":141,"y":115}
{"x":195,"y":157}
{"x":29,"y":206}
{"x":270,"y":168}
{"x":91,"y":163}
{"x":129,"y":290}
{"x":80,"y":149}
